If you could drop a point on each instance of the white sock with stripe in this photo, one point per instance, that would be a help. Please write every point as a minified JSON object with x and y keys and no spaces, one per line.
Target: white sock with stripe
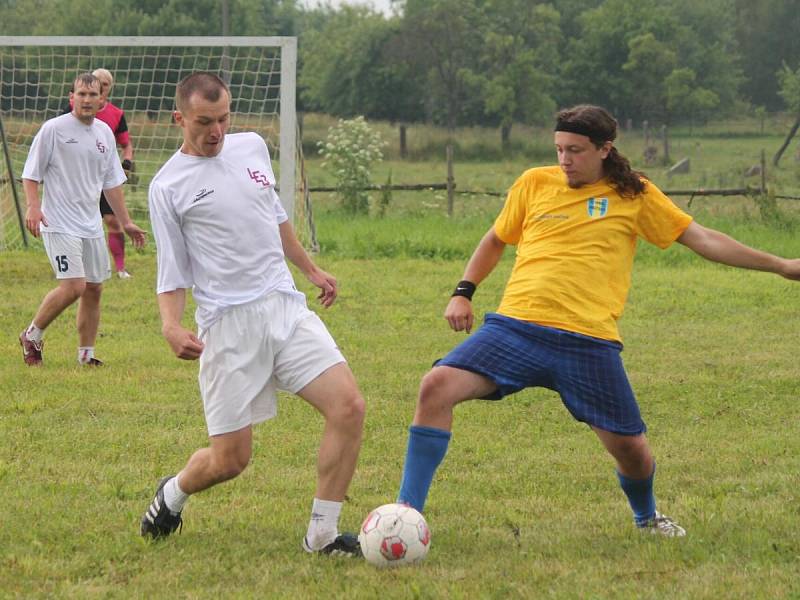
{"x":34,"y":334}
{"x":323,"y":527}
{"x":174,"y":496}
{"x":85,"y":354}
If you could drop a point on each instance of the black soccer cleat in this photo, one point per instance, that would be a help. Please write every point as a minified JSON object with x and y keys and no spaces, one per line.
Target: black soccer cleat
{"x":345,"y":544}
{"x":92,"y":362}
{"x":159,"y":521}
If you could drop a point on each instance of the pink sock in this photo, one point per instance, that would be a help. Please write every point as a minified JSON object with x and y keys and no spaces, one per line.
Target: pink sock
{"x":116,"y":243}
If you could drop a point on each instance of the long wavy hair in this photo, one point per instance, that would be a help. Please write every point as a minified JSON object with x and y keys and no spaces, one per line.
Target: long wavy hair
{"x":616,"y":167}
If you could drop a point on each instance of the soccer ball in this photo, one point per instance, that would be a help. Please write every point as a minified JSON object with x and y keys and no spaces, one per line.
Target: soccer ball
{"x":394,"y":535}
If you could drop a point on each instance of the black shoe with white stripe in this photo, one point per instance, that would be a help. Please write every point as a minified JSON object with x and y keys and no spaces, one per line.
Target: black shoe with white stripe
{"x":345,"y":544}
{"x":159,"y":521}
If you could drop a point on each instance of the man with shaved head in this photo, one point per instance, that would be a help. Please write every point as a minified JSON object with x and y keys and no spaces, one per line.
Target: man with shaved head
{"x":220,"y":230}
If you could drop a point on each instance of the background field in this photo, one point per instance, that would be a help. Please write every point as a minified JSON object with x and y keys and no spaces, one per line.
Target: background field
{"x":525,"y":505}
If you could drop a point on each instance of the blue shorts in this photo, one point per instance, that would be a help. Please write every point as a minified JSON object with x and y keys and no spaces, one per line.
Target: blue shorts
{"x":587,"y":372}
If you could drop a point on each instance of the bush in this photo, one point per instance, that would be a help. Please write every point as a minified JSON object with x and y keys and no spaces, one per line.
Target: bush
{"x":350,"y":149}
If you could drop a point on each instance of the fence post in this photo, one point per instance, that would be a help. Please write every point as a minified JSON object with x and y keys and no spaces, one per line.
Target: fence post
{"x":403,"y":145}
{"x":763,"y":172}
{"x":450,"y":180}
{"x":10,"y":168}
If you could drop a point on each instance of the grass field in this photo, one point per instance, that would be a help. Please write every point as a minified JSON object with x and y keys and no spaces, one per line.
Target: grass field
{"x":525,"y":505}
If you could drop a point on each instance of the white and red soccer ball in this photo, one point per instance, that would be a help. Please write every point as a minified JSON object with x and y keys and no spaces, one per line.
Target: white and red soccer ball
{"x":394,"y":535}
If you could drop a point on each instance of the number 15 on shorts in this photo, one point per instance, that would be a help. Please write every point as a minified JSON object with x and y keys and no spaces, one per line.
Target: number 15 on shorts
{"x":61,"y":263}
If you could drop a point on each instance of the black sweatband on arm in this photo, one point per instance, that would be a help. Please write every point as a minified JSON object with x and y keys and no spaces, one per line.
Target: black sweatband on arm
{"x":127,"y":164}
{"x":465,"y":288}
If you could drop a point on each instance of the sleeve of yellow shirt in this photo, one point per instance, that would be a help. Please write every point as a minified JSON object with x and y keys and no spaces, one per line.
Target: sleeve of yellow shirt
{"x":509,"y":223}
{"x":660,"y":222}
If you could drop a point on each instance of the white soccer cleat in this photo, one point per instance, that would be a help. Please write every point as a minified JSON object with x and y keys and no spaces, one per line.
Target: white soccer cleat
{"x":124,"y":274}
{"x":663,"y":525}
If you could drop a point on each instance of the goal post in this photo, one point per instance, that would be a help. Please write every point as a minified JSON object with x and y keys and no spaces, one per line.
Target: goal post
{"x":36,"y":73}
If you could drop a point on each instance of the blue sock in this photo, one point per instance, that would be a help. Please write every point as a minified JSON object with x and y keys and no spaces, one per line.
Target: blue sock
{"x":426,"y":449}
{"x":640,"y":496}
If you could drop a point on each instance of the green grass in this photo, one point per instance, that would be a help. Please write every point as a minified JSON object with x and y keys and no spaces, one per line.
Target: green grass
{"x":526,"y":503}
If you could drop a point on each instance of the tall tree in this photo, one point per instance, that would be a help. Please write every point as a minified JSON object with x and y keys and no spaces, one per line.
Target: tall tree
{"x":349,"y":68}
{"x":766,"y":31}
{"x":629,"y":48}
{"x":442,"y":39}
{"x":518,"y":61}
{"x":790,"y":92}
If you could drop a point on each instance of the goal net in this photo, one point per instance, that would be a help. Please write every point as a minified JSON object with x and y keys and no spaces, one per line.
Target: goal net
{"x":36,"y":74}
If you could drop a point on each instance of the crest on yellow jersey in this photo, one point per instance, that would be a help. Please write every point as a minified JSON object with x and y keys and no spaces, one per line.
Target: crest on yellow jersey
{"x":597,"y":207}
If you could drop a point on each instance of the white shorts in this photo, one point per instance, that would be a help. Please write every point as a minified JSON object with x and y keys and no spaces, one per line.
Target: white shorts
{"x":74,"y":257}
{"x":255,"y":349}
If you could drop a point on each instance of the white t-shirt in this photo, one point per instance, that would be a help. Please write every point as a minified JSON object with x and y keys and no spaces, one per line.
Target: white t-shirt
{"x":76,"y":162}
{"x":215,"y":222}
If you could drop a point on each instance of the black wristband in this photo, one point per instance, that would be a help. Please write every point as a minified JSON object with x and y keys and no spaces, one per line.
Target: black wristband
{"x":127,"y":164}
{"x":465,"y":288}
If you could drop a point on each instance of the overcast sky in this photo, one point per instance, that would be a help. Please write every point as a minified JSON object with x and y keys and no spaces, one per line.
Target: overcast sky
{"x":380,"y":5}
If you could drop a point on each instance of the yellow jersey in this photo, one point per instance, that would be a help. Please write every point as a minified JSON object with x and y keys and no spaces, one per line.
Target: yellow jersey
{"x":575,"y":249}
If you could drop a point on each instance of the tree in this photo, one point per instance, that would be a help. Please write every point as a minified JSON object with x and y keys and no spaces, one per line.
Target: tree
{"x":650,"y":62}
{"x":790,"y":92}
{"x":349,"y":68}
{"x":518,"y":61}
{"x":628,"y":48}
{"x":766,"y":31}
{"x":147,"y":17}
{"x":684,"y":96}
{"x":441,"y":39}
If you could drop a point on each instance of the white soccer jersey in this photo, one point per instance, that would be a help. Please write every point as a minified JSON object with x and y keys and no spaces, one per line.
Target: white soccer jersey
{"x":76,"y":162}
{"x":215,"y":222}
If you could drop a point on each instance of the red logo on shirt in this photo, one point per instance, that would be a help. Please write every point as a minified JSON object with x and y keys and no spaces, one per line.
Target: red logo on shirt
{"x":258,"y":177}
{"x":100,"y":146}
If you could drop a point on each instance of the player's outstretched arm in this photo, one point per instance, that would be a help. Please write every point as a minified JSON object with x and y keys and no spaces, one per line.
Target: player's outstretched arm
{"x":718,"y":247}
{"x":482,"y":262}
{"x":184,"y":343}
{"x":295,"y":252}
{"x":34,"y":217}
{"x":117,"y":202}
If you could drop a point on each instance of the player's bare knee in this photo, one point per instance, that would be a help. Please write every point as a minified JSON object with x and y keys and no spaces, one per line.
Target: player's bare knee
{"x":350,"y":410}
{"x":633,"y":453}
{"x":73,"y":288}
{"x":433,"y":391}
{"x":231,"y":465}
{"x":92,"y":290}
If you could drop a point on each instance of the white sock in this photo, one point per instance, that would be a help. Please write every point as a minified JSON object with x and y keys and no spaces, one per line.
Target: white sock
{"x":174,"y":496}
{"x":34,"y":334}
{"x":85,"y":354}
{"x":324,"y":524}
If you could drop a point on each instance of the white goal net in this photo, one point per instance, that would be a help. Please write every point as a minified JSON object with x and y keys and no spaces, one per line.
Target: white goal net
{"x":36,"y":74}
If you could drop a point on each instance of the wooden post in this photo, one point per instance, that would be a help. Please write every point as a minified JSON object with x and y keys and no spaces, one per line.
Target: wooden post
{"x":10,"y":169}
{"x":403,"y":146}
{"x":763,"y":172}
{"x":450,"y":180}
{"x":226,"y":32}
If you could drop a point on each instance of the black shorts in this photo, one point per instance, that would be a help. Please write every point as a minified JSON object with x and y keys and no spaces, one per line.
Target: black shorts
{"x":105,"y":207}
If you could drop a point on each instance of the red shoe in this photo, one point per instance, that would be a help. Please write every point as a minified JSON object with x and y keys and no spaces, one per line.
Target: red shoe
{"x":31,"y":351}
